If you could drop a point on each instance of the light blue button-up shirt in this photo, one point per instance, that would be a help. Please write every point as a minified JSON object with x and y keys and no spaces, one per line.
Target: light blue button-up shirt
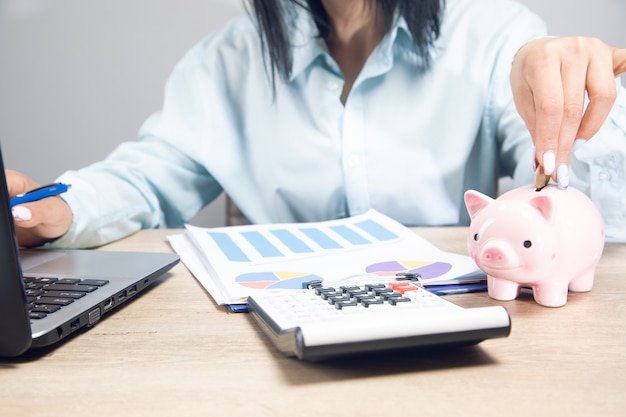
{"x":408,"y":142}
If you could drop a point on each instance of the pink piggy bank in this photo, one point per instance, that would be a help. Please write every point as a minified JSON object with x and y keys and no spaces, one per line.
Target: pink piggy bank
{"x":549,"y":240}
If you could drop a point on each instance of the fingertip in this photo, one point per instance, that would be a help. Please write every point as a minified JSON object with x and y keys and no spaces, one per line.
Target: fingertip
{"x":549,"y":162}
{"x":21,"y":214}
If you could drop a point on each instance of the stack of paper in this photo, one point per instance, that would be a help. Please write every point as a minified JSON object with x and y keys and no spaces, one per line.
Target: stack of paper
{"x":233,"y":263}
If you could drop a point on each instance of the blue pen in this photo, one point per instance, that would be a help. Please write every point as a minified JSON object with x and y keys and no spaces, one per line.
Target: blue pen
{"x":39,"y":193}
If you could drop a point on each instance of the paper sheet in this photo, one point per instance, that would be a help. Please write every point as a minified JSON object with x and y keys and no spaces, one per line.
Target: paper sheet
{"x":235,"y":262}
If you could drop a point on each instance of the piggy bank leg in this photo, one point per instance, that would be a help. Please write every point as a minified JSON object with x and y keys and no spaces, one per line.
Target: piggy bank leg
{"x":550,"y":294}
{"x":584,"y":283}
{"x":502,"y":289}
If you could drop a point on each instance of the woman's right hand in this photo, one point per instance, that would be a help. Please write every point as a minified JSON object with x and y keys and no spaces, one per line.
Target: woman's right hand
{"x":41,"y":221}
{"x":550,"y":78}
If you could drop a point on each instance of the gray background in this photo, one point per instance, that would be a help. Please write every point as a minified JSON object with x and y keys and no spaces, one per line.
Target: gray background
{"x":78,"y":77}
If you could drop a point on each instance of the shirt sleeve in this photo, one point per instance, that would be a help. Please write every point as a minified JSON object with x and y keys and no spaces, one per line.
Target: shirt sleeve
{"x":154,"y":182}
{"x":599,"y":169}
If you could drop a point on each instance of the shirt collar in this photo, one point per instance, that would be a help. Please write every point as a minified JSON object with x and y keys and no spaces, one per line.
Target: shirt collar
{"x":310,"y":49}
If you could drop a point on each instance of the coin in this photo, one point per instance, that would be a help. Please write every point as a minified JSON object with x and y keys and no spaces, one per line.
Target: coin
{"x":541,"y":179}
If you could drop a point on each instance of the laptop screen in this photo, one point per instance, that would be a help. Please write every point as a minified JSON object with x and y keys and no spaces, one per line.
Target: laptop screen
{"x":15,"y":331}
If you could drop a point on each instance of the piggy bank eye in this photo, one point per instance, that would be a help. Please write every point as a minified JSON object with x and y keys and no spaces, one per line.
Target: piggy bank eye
{"x":528,"y":243}
{"x":476,"y":237}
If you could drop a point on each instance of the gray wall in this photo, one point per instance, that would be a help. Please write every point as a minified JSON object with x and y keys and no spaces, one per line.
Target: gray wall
{"x":79,"y":76}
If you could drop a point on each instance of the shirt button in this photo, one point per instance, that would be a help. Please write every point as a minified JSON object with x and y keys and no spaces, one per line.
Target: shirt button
{"x":604,"y":176}
{"x":353,"y":161}
{"x":332,"y":85}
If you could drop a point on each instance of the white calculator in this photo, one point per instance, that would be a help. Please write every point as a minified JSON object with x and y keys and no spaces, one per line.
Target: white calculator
{"x":319,"y":322}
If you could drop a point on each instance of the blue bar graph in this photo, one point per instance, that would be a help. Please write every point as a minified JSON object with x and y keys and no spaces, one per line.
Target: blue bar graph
{"x":262,"y":244}
{"x":321,"y":238}
{"x":376,"y":230}
{"x":229,"y":247}
{"x":350,"y":235}
{"x":291,"y":241}
{"x":254,"y":245}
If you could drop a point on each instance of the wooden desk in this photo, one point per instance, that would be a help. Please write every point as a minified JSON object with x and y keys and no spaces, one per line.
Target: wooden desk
{"x":173,"y":352}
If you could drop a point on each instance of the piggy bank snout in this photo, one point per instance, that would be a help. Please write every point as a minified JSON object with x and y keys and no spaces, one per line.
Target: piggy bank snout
{"x":498,"y":255}
{"x":494,"y":256}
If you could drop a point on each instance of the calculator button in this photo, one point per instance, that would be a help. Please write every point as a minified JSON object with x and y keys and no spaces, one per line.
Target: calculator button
{"x":339,"y":299}
{"x":371,"y":287}
{"x":341,"y":304}
{"x":322,"y":290}
{"x":374,"y":301}
{"x":397,"y":300}
{"x":389,"y":295}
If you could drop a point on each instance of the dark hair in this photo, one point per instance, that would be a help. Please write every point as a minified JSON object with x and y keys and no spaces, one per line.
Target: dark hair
{"x":423,"y":18}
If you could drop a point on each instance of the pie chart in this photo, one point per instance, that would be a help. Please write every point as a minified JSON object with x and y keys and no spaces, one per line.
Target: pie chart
{"x":276,"y":280}
{"x":427,"y":269}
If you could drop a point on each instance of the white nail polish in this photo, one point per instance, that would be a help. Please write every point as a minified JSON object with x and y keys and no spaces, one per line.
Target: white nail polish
{"x":562,"y":176}
{"x":549,"y":162}
{"x":21,"y":214}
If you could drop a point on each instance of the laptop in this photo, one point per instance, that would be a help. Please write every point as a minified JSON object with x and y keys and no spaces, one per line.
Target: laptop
{"x":48,"y":294}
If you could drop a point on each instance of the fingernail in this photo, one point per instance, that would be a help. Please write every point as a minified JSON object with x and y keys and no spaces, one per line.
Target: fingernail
{"x":21,"y":214}
{"x":578,"y":143}
{"x":549,"y":162}
{"x":562,"y":176}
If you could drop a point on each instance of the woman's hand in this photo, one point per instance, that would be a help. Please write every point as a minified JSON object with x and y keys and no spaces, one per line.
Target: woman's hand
{"x":549,"y":78}
{"x":39,"y":221}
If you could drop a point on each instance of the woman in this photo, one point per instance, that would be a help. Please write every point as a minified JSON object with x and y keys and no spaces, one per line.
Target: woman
{"x":340,"y":106}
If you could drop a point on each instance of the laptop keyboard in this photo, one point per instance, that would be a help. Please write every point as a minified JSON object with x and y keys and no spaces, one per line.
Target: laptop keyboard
{"x":49,"y":295}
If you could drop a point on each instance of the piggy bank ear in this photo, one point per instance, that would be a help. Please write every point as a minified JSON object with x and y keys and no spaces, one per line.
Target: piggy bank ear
{"x":475,"y":202}
{"x":544,"y":205}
